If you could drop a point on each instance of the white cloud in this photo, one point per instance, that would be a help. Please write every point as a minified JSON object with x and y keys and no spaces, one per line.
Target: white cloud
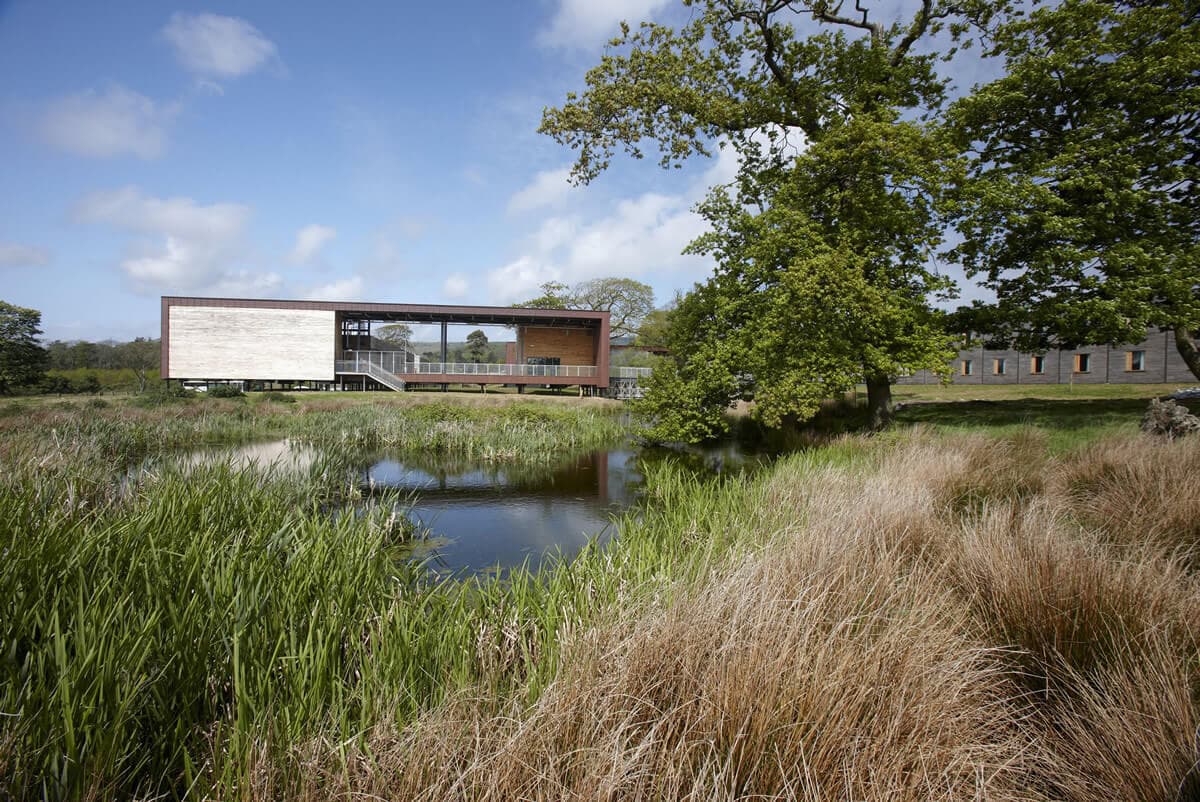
{"x":212,"y":46}
{"x":348,"y":289}
{"x":548,"y":188}
{"x":129,"y":208}
{"x":309,"y":241}
{"x":589,"y":23}
{"x":635,"y":237}
{"x":115,"y":122}
{"x":245,"y":284}
{"x":13,"y":254}
{"x":519,"y":279}
{"x":186,"y":246}
{"x":640,"y":235}
{"x":456,"y":286}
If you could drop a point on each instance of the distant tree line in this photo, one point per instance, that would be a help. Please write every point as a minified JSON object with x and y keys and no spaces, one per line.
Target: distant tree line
{"x":138,"y":354}
{"x":63,"y":367}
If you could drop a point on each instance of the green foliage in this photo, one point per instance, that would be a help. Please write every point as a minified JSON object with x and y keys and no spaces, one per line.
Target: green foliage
{"x":822,"y":275}
{"x":627,"y":301}
{"x":679,"y":410}
{"x":225,"y":391}
{"x":555,"y":295}
{"x":634,"y":358}
{"x":398,"y":334}
{"x":1081,"y":205}
{"x":521,"y":431}
{"x":477,"y":347}
{"x":276,"y":397}
{"x":89,"y":384}
{"x":163,"y":394}
{"x":140,"y":354}
{"x":59,"y":381}
{"x":22,"y":359}
{"x":656,"y":326}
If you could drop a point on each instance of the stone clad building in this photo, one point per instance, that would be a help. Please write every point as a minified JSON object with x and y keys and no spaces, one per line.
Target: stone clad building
{"x":1155,"y":360}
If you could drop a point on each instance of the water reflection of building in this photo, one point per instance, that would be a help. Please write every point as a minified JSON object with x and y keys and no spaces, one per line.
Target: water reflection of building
{"x":585,"y":477}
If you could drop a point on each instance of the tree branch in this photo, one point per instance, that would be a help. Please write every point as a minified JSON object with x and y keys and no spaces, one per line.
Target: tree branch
{"x":915,"y":31}
{"x":761,"y":19}
{"x":821,"y":11}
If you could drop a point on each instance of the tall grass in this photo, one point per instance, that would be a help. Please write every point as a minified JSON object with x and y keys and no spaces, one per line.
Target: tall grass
{"x":907,"y":617}
{"x":914,"y":627}
{"x":78,"y":438}
{"x":529,"y":432}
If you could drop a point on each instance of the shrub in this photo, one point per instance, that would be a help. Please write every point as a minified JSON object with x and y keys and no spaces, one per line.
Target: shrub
{"x":1169,"y":419}
{"x":160,"y":394}
{"x":276,"y":397}
{"x":57,"y":385}
{"x":88,"y":384}
{"x":225,"y":391}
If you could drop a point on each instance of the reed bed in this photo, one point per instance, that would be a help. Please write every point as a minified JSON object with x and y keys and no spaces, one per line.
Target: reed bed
{"x":529,"y":432}
{"x":894,"y":618}
{"x":81,"y":438}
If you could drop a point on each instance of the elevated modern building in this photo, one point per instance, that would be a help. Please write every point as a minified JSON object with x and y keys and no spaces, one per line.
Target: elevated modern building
{"x":1154,"y":360}
{"x":328,"y":344}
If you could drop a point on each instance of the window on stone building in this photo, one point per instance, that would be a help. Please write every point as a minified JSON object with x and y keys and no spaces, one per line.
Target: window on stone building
{"x":1037,"y":365}
{"x":968,"y":367}
{"x":1135,"y":360}
{"x":999,"y":366}
{"x":1083,"y":363}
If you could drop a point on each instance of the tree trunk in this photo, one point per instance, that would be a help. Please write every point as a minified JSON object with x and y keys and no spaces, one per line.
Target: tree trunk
{"x":879,"y":401}
{"x":1189,"y":349}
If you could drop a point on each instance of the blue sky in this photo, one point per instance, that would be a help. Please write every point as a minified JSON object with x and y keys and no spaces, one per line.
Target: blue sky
{"x":357,"y":151}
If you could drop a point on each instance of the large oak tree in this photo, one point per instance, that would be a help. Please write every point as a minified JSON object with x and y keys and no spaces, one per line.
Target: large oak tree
{"x":822,"y":276}
{"x":1082,"y":208}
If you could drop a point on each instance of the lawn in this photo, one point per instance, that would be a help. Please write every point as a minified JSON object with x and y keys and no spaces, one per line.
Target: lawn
{"x":1070,"y":417}
{"x":1002,"y":392}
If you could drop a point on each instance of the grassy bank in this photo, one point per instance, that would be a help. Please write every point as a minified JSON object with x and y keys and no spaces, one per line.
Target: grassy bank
{"x":937,"y":613}
{"x":108,"y":435}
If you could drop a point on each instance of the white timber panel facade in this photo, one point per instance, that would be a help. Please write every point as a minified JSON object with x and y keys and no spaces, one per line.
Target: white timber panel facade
{"x":210,"y":342}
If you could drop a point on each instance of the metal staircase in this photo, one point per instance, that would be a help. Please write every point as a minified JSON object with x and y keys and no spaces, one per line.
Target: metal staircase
{"x":368,"y":368}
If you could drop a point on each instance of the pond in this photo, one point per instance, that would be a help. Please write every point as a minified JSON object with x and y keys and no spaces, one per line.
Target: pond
{"x":483,"y":517}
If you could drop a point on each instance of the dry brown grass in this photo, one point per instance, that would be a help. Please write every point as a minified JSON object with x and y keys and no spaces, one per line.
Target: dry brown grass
{"x":970,"y":620}
{"x":1140,"y":492}
{"x":815,"y":674}
{"x":1129,"y":731}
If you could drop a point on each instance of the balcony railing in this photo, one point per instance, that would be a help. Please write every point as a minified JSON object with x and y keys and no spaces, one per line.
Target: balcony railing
{"x":631,"y":373}
{"x":396,"y":363}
